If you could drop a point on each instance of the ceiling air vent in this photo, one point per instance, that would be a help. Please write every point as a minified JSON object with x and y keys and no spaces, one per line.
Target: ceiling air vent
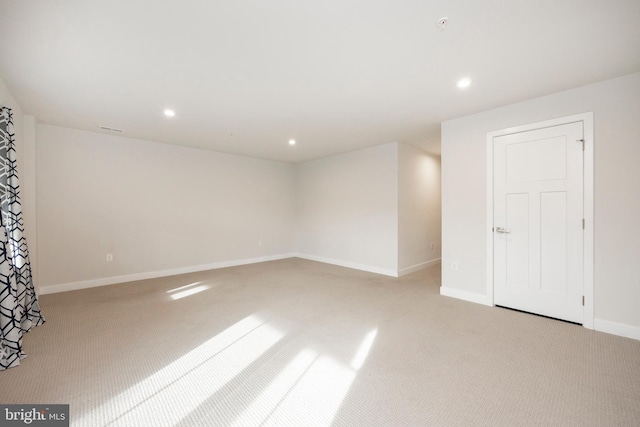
{"x":110,"y":129}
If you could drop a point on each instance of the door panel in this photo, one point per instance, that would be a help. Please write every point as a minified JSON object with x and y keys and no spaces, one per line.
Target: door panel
{"x":518,"y":244}
{"x":538,"y":211}
{"x":537,"y":160}
{"x":553,"y":242}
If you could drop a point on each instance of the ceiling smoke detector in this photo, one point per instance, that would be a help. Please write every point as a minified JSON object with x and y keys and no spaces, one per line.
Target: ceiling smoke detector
{"x":442,"y":22}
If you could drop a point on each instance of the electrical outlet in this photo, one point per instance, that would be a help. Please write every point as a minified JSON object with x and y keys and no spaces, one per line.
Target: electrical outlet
{"x":109,"y":257}
{"x":433,"y":246}
{"x":454,"y":265}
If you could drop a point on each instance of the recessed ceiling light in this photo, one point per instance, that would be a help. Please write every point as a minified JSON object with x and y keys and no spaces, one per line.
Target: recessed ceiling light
{"x":169,"y":113}
{"x":463,"y":83}
{"x":292,"y":142}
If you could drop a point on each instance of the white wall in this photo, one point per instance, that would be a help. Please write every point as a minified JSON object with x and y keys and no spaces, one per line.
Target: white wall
{"x":24,"y":126}
{"x":155,"y":207}
{"x":419,"y":203}
{"x":347,"y":209}
{"x":162,"y":209}
{"x":616,"y":107}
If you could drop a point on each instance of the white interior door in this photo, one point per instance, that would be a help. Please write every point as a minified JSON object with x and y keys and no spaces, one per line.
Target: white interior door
{"x":538,"y":221}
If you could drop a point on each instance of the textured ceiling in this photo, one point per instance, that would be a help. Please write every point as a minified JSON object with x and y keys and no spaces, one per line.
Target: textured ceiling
{"x":244,"y":77}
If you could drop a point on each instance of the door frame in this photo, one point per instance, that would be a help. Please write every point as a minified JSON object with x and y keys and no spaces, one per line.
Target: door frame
{"x":588,"y":201}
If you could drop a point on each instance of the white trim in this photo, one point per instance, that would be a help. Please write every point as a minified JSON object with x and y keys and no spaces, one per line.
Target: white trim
{"x":589,"y":232}
{"x":349,"y":264}
{"x":588,"y":283}
{"x":619,"y":329}
{"x":418,"y":267}
{"x":84,"y":284}
{"x":466,"y":296}
{"x":489,"y":251}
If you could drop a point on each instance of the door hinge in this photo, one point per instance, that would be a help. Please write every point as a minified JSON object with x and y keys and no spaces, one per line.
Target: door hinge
{"x":583,"y":223}
{"x":581,"y":141}
{"x":582,"y":299}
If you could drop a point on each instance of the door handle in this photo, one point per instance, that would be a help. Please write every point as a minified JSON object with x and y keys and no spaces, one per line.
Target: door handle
{"x":502,"y":230}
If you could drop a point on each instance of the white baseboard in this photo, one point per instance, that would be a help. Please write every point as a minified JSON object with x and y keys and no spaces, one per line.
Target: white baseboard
{"x":418,"y":267}
{"x":619,"y":329}
{"x":84,"y":284}
{"x":348,"y":264}
{"x":466,"y":296}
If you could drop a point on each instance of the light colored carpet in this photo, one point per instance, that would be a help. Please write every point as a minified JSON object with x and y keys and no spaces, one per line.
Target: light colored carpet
{"x":301,"y":343}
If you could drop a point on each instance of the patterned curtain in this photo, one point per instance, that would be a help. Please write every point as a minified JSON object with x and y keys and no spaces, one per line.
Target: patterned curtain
{"x":19,"y":309}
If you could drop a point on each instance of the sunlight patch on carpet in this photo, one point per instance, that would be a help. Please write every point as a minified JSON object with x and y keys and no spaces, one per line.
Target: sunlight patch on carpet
{"x":308,"y":391}
{"x":171,"y":393}
{"x":187,"y":290}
